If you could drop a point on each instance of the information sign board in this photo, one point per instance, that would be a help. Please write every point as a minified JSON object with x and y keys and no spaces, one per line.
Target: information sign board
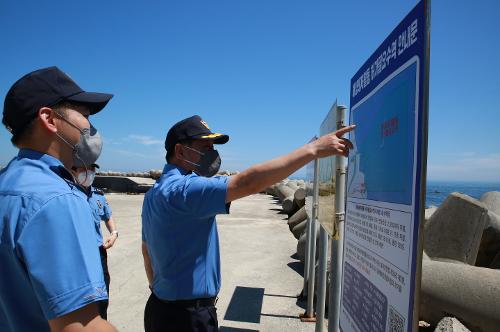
{"x":386,"y":181}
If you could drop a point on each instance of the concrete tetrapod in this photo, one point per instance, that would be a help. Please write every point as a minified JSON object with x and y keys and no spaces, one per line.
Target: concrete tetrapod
{"x":283,"y":191}
{"x":299,"y":229}
{"x":299,"y":198}
{"x":298,"y":217}
{"x":454,"y":231}
{"x":495,"y":263}
{"x":450,"y":324}
{"x":288,"y":205}
{"x":301,"y":244}
{"x":429,"y":212}
{"x":492,"y":201}
{"x":293,"y":185}
{"x":490,"y":242}
{"x":470,"y":293}
{"x":300,"y":194}
{"x":292,"y":204}
{"x":271,"y":190}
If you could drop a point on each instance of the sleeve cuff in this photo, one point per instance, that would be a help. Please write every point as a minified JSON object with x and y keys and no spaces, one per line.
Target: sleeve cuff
{"x":68,"y":302}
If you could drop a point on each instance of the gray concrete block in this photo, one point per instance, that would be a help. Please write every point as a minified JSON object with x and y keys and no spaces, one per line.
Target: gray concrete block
{"x":495,"y":263}
{"x":298,"y":203}
{"x":490,"y":241}
{"x":492,"y":201}
{"x":271,"y":190}
{"x":287,"y":205}
{"x":299,"y":194}
{"x":283,"y":191}
{"x":293,"y":185}
{"x":123,"y":184}
{"x":301,"y":245}
{"x":470,"y":293}
{"x":429,"y":212}
{"x":454,"y":231}
{"x":293,"y":204}
{"x":299,"y":229}
{"x":297,"y":217}
{"x":450,"y":324}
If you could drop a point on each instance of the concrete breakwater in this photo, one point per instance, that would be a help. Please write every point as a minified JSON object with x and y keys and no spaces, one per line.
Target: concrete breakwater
{"x":460,"y":287}
{"x":131,"y":182}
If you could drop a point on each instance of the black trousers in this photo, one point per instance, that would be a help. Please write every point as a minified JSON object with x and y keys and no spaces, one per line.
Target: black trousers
{"x":103,"y":305}
{"x":160,"y":316}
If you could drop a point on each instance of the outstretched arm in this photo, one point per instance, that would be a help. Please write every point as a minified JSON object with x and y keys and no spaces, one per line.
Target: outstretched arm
{"x":260,"y":176}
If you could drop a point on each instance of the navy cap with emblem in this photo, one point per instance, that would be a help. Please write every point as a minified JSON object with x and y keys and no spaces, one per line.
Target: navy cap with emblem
{"x":44,"y":88}
{"x":192,"y":128}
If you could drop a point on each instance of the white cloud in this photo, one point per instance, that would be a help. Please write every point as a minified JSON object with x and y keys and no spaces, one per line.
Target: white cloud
{"x":145,"y":140}
{"x":128,"y":153}
{"x":467,"y":167}
{"x":110,"y":141}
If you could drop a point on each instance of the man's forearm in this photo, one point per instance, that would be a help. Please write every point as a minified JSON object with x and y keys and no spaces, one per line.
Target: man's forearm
{"x":258,"y":177}
{"x":110,"y":224}
{"x":81,"y":320}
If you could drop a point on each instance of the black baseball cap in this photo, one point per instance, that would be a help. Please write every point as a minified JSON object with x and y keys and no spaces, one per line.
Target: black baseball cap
{"x":192,"y":128}
{"x":44,"y":88}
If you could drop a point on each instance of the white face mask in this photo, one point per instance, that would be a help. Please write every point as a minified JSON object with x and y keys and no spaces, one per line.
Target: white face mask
{"x":85,"y":179}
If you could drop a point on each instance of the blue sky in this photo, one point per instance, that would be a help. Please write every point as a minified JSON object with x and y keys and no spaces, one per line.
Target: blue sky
{"x":264,"y":72}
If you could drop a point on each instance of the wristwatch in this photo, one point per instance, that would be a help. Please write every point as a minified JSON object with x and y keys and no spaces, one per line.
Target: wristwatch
{"x":114,"y":232}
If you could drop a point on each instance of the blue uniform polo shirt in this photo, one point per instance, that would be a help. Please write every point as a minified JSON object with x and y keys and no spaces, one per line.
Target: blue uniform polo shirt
{"x":49,"y":263}
{"x":179,"y":228}
{"x":100,"y":211}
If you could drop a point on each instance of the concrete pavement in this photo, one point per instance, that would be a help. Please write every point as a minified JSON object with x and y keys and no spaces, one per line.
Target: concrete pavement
{"x":259,"y":276}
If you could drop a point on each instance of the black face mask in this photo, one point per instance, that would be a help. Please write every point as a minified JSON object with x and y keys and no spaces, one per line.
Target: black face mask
{"x":209,"y":163}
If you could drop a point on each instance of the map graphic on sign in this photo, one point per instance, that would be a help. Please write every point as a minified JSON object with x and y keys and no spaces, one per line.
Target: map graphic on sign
{"x":381,"y":163}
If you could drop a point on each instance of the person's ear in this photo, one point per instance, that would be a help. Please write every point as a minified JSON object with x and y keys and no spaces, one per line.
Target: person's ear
{"x":179,"y":151}
{"x":47,"y":118}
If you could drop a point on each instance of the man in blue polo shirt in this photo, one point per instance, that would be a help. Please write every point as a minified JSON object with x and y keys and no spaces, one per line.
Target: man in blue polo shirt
{"x":179,"y":231}
{"x":51,"y":275}
{"x":101,"y":211}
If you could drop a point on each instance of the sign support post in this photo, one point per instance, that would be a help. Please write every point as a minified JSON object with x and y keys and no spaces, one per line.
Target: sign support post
{"x":309,"y":316}
{"x":337,"y":245}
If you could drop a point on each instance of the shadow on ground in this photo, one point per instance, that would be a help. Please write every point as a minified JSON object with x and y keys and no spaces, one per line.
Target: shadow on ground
{"x":234,"y":329}
{"x":246,"y":306}
{"x":298,"y":267}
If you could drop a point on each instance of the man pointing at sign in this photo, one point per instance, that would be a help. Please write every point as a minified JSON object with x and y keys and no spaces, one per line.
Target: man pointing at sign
{"x":179,"y":232}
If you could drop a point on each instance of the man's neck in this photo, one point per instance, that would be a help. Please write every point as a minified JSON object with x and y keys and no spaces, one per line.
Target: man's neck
{"x":53,"y":149}
{"x":181,"y":164}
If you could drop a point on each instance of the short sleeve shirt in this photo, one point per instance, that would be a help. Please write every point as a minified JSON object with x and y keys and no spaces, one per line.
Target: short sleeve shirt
{"x":100,"y":211}
{"x":180,"y":230}
{"x":50,"y":265}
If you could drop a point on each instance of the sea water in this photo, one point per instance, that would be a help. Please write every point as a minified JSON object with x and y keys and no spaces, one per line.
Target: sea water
{"x":437,"y":191}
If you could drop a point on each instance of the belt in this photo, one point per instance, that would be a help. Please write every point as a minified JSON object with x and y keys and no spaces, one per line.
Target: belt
{"x":201,"y":302}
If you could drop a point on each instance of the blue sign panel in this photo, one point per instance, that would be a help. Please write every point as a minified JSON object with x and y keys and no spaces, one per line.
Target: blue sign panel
{"x":384,"y":182}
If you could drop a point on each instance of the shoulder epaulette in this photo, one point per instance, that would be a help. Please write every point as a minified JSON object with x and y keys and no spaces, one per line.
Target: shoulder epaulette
{"x":98,"y":191}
